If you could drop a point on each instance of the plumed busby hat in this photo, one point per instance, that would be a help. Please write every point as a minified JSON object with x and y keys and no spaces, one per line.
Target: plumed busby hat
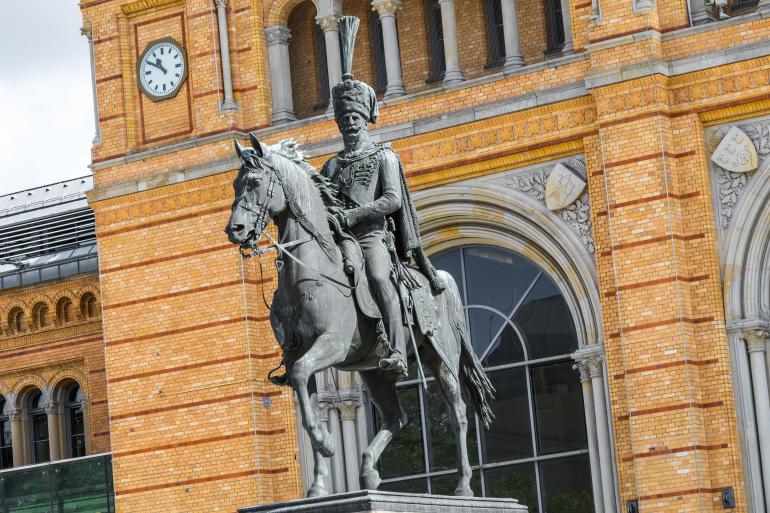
{"x":350,"y":94}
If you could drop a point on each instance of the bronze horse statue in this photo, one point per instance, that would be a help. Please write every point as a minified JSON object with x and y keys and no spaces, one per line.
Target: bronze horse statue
{"x":316,"y":318}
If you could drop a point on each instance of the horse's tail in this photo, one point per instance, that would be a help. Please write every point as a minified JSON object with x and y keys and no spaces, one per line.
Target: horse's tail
{"x":472,"y":377}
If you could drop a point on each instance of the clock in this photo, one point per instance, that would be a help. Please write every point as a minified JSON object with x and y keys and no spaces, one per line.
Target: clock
{"x":162,"y":69}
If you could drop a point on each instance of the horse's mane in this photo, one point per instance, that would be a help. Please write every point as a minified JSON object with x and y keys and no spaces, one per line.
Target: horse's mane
{"x":289,"y":149}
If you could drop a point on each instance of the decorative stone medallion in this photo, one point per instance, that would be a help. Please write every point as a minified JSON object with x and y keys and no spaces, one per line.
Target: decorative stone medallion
{"x":563,"y":187}
{"x":736,"y":152}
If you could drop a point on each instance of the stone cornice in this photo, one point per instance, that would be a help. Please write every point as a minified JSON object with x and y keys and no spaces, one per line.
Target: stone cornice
{"x":48,"y":336}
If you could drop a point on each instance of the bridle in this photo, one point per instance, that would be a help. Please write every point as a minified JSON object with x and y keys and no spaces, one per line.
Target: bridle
{"x":252,"y":243}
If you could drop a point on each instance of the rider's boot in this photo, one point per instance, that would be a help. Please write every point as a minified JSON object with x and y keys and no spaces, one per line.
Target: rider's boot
{"x":395,"y":362}
{"x":282,"y":380}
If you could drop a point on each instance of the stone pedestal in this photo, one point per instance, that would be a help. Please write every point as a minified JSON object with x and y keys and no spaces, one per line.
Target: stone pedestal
{"x":372,"y":501}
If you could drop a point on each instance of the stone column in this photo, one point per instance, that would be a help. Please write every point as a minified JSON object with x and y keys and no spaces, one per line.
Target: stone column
{"x":338,"y":467}
{"x":596,"y":13}
{"x":88,"y":32}
{"x":224,"y":50}
{"x":329,"y":26}
{"x":17,"y":437}
{"x":280,"y":73}
{"x":513,"y":57}
{"x":54,"y":431}
{"x":348,"y":415}
{"x":386,"y":9}
{"x":452,"y":73}
{"x":756,"y":343}
{"x":566,"y":16}
{"x":596,"y":371}
{"x":593,"y":446}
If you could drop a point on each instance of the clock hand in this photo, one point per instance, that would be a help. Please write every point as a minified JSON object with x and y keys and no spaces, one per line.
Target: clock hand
{"x":160,"y":66}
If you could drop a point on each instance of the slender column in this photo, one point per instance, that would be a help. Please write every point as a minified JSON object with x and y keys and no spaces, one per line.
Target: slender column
{"x":452,"y":74}
{"x":386,"y":9}
{"x":17,"y":437}
{"x":329,"y":26}
{"x":86,"y":425}
{"x":596,"y":13}
{"x":88,"y":32}
{"x":566,"y":16}
{"x":593,"y":446}
{"x":280,"y":73}
{"x":224,"y":47}
{"x":756,"y":341}
{"x":348,"y":415}
{"x":513,"y":57}
{"x":596,"y":370}
{"x":54,"y":432}
{"x":338,"y":466}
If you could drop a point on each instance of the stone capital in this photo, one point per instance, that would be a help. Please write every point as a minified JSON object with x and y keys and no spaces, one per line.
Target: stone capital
{"x":348,"y":410}
{"x":386,"y":7}
{"x":329,"y":23}
{"x":15,"y":415}
{"x":582,"y":368}
{"x":756,"y":340}
{"x":277,"y":34}
{"x":221,"y":3}
{"x":52,"y":408}
{"x":595,"y":366}
{"x":88,"y":31}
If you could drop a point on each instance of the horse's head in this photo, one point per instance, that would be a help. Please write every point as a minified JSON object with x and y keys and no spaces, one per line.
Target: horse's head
{"x":259,"y":196}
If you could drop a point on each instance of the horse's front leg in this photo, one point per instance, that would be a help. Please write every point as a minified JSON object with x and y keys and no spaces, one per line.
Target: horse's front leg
{"x":325,"y":352}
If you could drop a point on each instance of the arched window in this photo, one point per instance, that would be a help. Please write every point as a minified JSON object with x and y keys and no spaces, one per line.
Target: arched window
{"x":554,"y":26}
{"x":307,"y":62}
{"x":64,"y":311}
{"x":16,"y":323}
{"x":6,"y":448}
{"x":322,"y":71}
{"x":435,"y":31}
{"x":73,"y":411}
{"x":38,"y":422}
{"x":493,"y":12}
{"x":40,"y":316}
{"x":536,"y":450}
{"x":88,"y":306}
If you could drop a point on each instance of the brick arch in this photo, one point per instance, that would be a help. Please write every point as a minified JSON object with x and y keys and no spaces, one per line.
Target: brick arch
{"x":5,"y":390}
{"x":65,"y":295}
{"x":41,"y":303}
{"x":15,"y":303}
{"x":279,"y":11}
{"x":26,"y":383}
{"x":69,"y":374}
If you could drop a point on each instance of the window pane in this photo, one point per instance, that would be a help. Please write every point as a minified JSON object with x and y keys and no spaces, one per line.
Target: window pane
{"x":558,"y":408}
{"x":497,"y":277}
{"x":507,"y":348}
{"x":566,"y":484}
{"x":510,"y":436}
{"x":545,"y":321}
{"x":516,"y":482}
{"x":484,"y":325}
{"x":445,"y":485}
{"x":77,"y":433}
{"x":408,"y":486}
{"x":404,"y":455}
{"x":441,"y":435}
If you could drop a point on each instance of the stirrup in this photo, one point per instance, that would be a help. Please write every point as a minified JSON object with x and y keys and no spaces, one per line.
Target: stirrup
{"x":282,"y":380}
{"x":394,"y":363}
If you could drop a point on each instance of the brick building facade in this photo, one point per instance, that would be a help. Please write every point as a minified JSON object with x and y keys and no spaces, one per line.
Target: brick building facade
{"x":657,"y":112}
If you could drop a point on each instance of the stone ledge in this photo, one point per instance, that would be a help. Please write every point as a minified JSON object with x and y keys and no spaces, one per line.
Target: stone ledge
{"x":372,"y":501}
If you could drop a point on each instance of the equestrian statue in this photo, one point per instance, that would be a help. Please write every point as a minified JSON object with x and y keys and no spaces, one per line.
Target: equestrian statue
{"x":354,"y":282}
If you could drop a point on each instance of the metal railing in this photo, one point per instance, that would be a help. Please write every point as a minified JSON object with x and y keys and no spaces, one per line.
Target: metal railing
{"x":82,"y":485}
{"x":49,"y":271}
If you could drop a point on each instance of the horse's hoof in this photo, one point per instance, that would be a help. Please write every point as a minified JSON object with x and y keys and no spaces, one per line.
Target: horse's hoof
{"x":317,"y":491}
{"x":370,"y":480}
{"x":464,"y":492}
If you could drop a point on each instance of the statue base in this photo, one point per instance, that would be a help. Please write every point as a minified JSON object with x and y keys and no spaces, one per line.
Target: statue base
{"x":373,"y":501}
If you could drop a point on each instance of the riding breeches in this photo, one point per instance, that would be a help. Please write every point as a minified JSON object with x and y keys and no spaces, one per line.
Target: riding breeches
{"x":378,"y":266}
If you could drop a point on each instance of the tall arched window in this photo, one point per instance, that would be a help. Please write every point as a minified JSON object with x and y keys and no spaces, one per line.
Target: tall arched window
{"x":64,"y":312}
{"x":536,"y":450}
{"x":73,"y":411}
{"x":493,"y":12}
{"x":6,"y":447}
{"x":40,"y":316}
{"x":38,"y":422}
{"x":554,"y":26}
{"x":435,"y":32}
{"x":16,"y":323}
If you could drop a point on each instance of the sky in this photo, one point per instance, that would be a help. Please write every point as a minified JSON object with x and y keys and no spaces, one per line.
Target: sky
{"x":46,"y":104}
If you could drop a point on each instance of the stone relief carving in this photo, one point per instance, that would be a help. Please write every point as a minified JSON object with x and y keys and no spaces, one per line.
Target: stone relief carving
{"x":576,"y":215}
{"x":729,"y":184}
{"x":735,"y":152}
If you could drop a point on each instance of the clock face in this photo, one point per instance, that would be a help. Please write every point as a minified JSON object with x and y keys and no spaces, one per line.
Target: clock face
{"x":162,"y":69}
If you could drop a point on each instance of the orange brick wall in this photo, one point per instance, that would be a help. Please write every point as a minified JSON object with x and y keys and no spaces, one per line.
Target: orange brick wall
{"x":305,"y":80}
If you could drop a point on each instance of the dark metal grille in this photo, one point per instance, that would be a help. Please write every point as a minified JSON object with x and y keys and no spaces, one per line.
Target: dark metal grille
{"x":44,"y":236}
{"x":321,"y":71}
{"x":435,"y":33}
{"x":554,"y":26}
{"x":495,"y":36}
{"x":738,"y":7}
{"x":377,"y":45}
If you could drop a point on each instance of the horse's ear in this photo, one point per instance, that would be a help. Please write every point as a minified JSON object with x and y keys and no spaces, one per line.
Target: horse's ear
{"x":260,"y":148}
{"x":238,"y":149}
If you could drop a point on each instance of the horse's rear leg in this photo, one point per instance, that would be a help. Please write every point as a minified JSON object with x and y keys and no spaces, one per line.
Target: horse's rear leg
{"x":382,"y":387}
{"x":325,"y":352}
{"x":450,"y":388}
